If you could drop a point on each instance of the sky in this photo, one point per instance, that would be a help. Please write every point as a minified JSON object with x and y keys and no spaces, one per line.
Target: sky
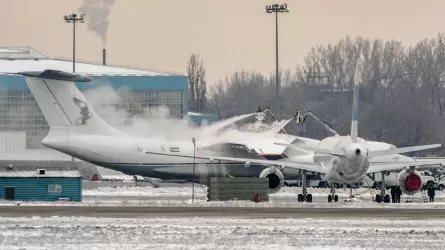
{"x":228,"y":35}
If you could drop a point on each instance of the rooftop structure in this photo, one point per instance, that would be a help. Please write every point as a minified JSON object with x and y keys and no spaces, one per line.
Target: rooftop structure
{"x":33,"y":174}
{"x":17,"y":59}
{"x":22,"y":124}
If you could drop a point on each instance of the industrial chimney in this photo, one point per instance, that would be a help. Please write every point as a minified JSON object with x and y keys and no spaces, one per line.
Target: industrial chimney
{"x":104,"y":56}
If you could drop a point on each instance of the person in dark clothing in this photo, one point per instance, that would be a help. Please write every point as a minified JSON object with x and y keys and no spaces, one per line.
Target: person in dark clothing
{"x":393,"y":194}
{"x":398,"y":194}
{"x":431,"y":193}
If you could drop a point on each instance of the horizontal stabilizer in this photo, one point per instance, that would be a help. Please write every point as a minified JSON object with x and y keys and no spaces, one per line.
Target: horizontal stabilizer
{"x":395,"y":167}
{"x":402,"y":150}
{"x":314,"y":149}
{"x":56,"y":75}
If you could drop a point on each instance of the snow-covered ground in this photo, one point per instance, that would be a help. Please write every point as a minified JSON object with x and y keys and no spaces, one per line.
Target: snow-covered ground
{"x":147,"y":191}
{"x":186,"y":190}
{"x":180,"y":196}
{"x":218,"y":233}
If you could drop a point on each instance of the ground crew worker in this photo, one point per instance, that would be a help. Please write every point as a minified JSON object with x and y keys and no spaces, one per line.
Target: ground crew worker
{"x":393,"y":194}
{"x":398,"y":194}
{"x":431,"y":193}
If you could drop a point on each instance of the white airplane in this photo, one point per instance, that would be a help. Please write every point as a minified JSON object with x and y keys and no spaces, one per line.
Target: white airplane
{"x":77,"y":130}
{"x":344,"y":159}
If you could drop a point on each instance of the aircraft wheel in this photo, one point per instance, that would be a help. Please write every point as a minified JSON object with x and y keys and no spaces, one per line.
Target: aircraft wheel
{"x":309,"y":198}
{"x":329,"y":198}
{"x":387,"y":199}
{"x":378,"y":198}
{"x":300,"y":198}
{"x":336,"y":198}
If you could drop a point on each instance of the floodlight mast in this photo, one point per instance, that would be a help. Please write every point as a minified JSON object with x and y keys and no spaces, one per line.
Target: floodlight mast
{"x":73,"y":18}
{"x":277,"y":8}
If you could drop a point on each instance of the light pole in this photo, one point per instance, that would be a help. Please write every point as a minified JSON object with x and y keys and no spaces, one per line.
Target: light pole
{"x":74,"y":19}
{"x":194,"y":163}
{"x":277,"y":8}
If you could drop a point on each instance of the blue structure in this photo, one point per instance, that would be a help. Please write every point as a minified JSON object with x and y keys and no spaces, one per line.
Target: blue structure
{"x":139,"y":90}
{"x":41,"y":185}
{"x":129,"y":82}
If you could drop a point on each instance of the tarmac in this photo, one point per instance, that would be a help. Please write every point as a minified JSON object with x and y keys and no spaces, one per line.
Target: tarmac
{"x":234,"y":212}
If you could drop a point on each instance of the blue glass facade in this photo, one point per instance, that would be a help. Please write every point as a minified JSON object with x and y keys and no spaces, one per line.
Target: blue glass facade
{"x":131,"y":82}
{"x":19,"y":111}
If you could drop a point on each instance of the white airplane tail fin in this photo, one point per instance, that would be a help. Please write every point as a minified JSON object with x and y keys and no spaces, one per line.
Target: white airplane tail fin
{"x":62,"y":103}
{"x":357,"y":80}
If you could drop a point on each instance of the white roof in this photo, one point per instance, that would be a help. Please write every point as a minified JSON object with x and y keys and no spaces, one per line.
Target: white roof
{"x":43,"y":154}
{"x":31,"y":174}
{"x":18,"y":59}
{"x":6,"y":50}
{"x":14,"y":66}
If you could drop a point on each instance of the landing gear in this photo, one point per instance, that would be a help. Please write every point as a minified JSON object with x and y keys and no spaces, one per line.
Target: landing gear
{"x":387,"y":198}
{"x":382,"y":197}
{"x":330,"y":198}
{"x":304,"y":196}
{"x":378,"y":198}
{"x":332,"y":195}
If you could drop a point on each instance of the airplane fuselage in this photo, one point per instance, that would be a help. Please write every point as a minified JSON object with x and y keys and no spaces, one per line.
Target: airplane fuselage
{"x":126,"y":154}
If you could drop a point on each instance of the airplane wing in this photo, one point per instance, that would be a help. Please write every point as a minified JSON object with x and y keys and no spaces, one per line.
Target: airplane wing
{"x":314,"y":149}
{"x":295,"y":165}
{"x":402,"y":150}
{"x":394,"y":167}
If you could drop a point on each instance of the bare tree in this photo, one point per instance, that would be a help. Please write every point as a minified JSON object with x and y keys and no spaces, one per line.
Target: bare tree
{"x":402,"y":96}
{"x":197,"y":83}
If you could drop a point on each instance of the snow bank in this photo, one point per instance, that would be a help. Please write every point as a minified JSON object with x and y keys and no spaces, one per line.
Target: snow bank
{"x":147,"y":191}
{"x":207,"y":233}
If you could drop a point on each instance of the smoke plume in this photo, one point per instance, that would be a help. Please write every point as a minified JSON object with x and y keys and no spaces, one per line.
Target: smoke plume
{"x":155,"y":123}
{"x":96,"y":16}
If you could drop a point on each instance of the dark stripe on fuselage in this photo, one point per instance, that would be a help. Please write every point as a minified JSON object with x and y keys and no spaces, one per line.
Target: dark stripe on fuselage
{"x":165,"y":164}
{"x":185,"y":170}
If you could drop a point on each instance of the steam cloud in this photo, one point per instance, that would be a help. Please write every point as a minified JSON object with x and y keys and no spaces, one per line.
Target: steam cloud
{"x":96,"y":15}
{"x":157,"y":124}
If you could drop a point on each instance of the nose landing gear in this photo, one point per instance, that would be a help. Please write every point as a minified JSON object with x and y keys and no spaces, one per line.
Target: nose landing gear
{"x":332,"y":196}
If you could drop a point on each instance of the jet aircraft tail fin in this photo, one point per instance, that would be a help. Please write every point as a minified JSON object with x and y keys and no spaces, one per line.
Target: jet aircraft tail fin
{"x":357,"y":80}
{"x":62,"y":103}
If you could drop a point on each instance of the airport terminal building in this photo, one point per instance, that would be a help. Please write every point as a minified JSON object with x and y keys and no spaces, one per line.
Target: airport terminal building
{"x":25,"y":124}
{"x":22,"y":124}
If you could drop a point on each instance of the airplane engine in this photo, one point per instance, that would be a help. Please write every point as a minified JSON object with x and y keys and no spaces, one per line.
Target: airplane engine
{"x":410,"y":181}
{"x":276,"y":178}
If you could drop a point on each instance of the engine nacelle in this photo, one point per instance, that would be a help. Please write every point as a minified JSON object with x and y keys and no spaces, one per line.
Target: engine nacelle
{"x":276,"y":178}
{"x":410,"y":181}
